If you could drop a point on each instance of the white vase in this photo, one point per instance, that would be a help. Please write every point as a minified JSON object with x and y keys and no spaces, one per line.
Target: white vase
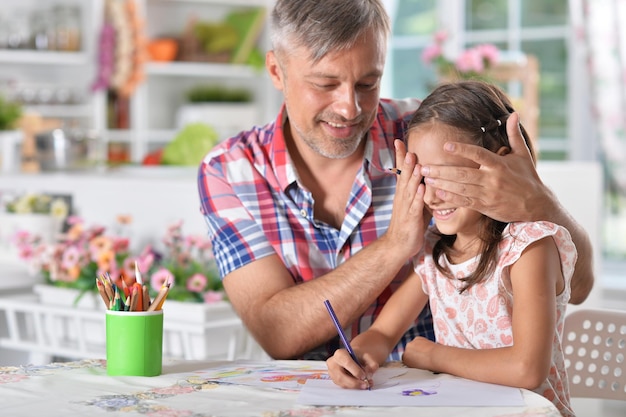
{"x":68,"y":297}
{"x":44,"y":225}
{"x":10,"y":142}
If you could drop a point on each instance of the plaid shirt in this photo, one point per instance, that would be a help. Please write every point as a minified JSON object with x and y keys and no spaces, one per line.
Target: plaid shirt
{"x":254,"y":206}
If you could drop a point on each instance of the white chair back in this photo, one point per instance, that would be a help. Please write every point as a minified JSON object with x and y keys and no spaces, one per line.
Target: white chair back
{"x":594,"y":343}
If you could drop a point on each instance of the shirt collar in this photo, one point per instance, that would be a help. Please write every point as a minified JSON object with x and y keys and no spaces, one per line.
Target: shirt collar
{"x":378,"y":156}
{"x":281,"y":161}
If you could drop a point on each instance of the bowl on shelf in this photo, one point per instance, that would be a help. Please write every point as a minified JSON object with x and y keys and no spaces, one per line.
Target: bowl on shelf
{"x":163,"y":49}
{"x":66,"y":150}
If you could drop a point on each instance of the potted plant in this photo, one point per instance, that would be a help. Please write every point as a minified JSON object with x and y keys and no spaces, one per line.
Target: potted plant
{"x":199,"y":322}
{"x":10,"y":137}
{"x":39,"y":213}
{"x":77,"y":257}
{"x":227,"y":110}
{"x":472,"y":63}
{"x":10,"y":113}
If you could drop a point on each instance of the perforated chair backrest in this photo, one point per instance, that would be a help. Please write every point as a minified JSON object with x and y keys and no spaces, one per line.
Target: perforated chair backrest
{"x":594,"y":343}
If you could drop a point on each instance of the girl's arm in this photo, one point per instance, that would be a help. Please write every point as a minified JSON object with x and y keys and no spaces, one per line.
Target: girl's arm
{"x":373,"y":346}
{"x":536,"y":279}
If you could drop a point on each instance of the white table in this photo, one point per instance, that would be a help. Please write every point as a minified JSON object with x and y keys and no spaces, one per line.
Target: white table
{"x":192,"y":388}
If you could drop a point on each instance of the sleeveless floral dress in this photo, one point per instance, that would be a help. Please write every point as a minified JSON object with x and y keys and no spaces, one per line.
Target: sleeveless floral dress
{"x":480,"y":318}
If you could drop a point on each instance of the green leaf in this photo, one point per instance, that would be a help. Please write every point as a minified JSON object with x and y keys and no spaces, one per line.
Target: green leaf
{"x":10,"y":112}
{"x":190,"y":145}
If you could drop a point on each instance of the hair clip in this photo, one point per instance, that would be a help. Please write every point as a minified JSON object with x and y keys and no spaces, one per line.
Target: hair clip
{"x":491,"y":126}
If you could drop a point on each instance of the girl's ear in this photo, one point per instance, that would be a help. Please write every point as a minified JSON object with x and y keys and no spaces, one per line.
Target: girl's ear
{"x":503,"y":150}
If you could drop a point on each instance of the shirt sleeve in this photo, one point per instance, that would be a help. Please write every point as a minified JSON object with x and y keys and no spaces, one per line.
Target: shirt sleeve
{"x":521,"y":235}
{"x":236,"y":237}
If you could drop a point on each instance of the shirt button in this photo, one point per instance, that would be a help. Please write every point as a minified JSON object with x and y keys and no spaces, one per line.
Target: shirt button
{"x":303,"y":213}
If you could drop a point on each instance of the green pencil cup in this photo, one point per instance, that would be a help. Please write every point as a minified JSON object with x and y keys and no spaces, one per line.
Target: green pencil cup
{"x":134,"y":342}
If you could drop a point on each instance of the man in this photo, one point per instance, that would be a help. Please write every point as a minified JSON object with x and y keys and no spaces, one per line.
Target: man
{"x":300,"y":210}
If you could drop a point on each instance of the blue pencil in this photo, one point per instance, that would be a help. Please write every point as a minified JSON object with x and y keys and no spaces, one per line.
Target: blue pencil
{"x":342,"y":336}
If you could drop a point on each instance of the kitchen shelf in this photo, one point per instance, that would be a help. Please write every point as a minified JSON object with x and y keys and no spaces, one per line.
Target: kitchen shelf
{"x":156,"y":103}
{"x":256,"y":3}
{"x":153,"y":136}
{"x":8,"y":56}
{"x":201,"y":70}
{"x":61,"y":110}
{"x":153,"y":106}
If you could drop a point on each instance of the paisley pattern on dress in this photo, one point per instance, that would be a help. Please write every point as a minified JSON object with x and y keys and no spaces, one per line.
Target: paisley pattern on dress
{"x":481,"y":317}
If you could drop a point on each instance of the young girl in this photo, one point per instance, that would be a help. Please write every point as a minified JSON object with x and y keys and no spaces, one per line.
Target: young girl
{"x":497,"y":291}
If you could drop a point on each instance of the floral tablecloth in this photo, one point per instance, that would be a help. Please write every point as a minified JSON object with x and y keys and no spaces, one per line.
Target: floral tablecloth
{"x":195,"y":388}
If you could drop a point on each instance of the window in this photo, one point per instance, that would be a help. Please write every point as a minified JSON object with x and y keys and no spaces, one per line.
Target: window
{"x":534,"y":27}
{"x":538,"y":27}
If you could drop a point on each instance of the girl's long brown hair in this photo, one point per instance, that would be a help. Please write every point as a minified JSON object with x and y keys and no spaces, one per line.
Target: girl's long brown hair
{"x":479,"y":111}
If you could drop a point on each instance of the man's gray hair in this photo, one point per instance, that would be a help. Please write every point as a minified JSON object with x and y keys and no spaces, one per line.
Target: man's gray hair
{"x":323,"y":26}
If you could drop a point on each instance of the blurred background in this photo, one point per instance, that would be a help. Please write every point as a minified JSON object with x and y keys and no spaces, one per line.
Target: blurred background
{"x":104,"y":87}
{"x":124,"y":96}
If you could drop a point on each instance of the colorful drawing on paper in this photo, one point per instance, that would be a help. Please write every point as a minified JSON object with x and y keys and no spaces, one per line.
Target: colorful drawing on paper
{"x":300,"y":378}
{"x":423,"y":391}
{"x":275,"y":376}
{"x":417,"y":392}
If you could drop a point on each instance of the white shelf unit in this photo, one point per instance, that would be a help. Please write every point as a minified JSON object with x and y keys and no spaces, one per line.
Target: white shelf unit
{"x":25,"y":56}
{"x":36,"y":71}
{"x":154,"y":104}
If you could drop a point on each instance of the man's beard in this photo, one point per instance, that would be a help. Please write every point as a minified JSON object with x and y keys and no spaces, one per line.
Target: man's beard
{"x":328,"y":147}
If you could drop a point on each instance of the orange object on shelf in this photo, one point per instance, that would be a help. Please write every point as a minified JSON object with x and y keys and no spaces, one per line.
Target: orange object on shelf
{"x":118,"y":153}
{"x":164,"y":49}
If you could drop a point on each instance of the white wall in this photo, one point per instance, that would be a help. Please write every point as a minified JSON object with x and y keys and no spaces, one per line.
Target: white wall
{"x":579,"y":187}
{"x":154,"y":198}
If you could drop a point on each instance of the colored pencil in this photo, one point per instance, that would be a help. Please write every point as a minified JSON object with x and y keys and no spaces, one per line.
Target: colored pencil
{"x":146,"y":297}
{"x":117,"y":304}
{"x":135,"y":299}
{"x":157,"y":304}
{"x":342,"y":336}
{"x":103,"y":293}
{"x":138,"y":277}
{"x":107,"y":287}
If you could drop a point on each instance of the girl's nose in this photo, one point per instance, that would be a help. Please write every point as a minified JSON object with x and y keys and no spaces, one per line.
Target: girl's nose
{"x":430,"y":196}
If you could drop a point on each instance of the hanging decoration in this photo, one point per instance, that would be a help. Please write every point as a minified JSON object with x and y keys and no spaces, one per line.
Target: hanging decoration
{"x":106,"y":52}
{"x":122,"y":48}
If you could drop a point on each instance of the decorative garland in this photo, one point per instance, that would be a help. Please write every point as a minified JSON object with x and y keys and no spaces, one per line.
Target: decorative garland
{"x":122,"y":48}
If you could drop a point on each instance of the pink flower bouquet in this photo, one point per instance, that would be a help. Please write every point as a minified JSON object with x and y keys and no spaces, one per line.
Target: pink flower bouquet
{"x":470,"y":63}
{"x":187,"y":262}
{"x":83,"y":253}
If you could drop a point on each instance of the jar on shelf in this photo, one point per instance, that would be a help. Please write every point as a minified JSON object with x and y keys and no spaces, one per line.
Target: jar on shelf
{"x":42,"y":36}
{"x":4,"y":31}
{"x":18,"y":30}
{"x":67,"y":28}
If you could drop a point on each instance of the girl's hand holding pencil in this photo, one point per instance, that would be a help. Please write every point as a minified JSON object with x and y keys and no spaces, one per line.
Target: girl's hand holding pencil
{"x":130,"y":298}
